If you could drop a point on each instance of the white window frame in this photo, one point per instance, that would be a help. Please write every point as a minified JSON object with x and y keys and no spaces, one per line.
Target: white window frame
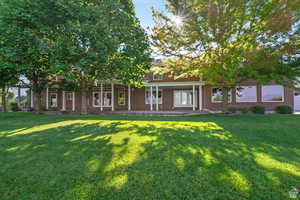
{"x":182,"y":105}
{"x":283,"y":96}
{"x":254,"y":101}
{"x":212,"y":99}
{"x":158,"y":75}
{"x":96,"y":106}
{"x":104,"y":96}
{"x":154,"y":96}
{"x":69,"y":96}
{"x":50,"y":99}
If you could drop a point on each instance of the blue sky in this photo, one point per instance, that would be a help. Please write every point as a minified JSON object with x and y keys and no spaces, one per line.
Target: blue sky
{"x":143,"y":10}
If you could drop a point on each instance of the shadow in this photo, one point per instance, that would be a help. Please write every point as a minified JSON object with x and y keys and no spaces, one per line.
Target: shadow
{"x":124,"y":157}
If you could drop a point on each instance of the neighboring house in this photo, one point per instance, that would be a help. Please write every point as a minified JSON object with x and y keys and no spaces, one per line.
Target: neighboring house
{"x":168,"y":94}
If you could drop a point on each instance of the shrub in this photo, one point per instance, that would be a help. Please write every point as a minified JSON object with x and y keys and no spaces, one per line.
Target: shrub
{"x":232,"y":110}
{"x":14,"y":107}
{"x":284,"y":110}
{"x":244,"y":110}
{"x":258,"y":109}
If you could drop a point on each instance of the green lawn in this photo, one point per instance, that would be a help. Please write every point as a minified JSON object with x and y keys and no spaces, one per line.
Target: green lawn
{"x":118,"y":157}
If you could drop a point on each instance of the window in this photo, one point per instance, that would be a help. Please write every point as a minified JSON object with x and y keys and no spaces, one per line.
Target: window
{"x":217,"y":95}
{"x":69,"y":96}
{"x":121,"y":97}
{"x":158,"y":77}
{"x":107,"y":99}
{"x":272,"y":93}
{"x":96,"y":99}
{"x":53,"y":100}
{"x":246,"y":94}
{"x":148,"y":96}
{"x":183,"y":98}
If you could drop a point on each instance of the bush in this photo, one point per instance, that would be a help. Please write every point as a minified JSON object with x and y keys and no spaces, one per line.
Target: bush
{"x":14,"y":107}
{"x":244,"y":110}
{"x":258,"y":109}
{"x":284,"y":110}
{"x":232,"y":110}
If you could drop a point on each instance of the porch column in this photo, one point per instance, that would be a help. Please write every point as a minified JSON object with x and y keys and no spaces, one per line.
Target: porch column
{"x":73,"y":102}
{"x":194,"y":98}
{"x":112,"y":97}
{"x":151,"y":98}
{"x":63,"y":101}
{"x":101,"y":97}
{"x":47,"y":98}
{"x":157,"y":97}
{"x":31,"y":99}
{"x":129,"y":97}
{"x":200,"y":98}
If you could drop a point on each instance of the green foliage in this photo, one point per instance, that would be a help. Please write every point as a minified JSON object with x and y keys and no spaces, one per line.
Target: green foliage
{"x":14,"y":107}
{"x":244,"y":110}
{"x":284,"y":109}
{"x":258,"y":110}
{"x":232,"y":110}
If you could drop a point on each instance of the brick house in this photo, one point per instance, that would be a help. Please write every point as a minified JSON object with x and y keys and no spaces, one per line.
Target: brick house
{"x":168,"y":94}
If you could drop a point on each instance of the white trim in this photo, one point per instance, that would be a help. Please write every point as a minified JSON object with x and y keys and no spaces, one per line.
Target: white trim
{"x":47,"y":98}
{"x":101,"y":97}
{"x":73,"y":101}
{"x":200,"y":98}
{"x":129,"y":97}
{"x":63,"y":101}
{"x":162,"y":84}
{"x":112,"y":97}
{"x":283,"y":95}
{"x":236,"y":99}
{"x":194,"y":98}
{"x":121,"y":90}
{"x":31,"y":99}
{"x":151,"y":98}
{"x":157,"y":102}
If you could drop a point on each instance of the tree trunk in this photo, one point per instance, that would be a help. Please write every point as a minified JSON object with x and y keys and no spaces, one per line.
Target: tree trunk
{"x":225,"y":91}
{"x":37,"y":94}
{"x":84,"y":110}
{"x":4,"y":100}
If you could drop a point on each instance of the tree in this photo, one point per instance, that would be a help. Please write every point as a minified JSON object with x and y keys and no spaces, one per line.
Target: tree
{"x":228,"y":41}
{"x":8,"y":77}
{"x":28,"y":30}
{"x":104,"y":41}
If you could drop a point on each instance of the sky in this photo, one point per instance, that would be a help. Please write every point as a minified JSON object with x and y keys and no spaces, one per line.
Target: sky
{"x":143,"y":10}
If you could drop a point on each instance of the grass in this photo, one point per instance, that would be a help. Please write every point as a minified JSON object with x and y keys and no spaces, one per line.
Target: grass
{"x":120,"y":157}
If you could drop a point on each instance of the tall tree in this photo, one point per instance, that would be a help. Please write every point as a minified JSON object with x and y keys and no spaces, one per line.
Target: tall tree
{"x":104,"y":41}
{"x":28,"y":30}
{"x":228,"y":41}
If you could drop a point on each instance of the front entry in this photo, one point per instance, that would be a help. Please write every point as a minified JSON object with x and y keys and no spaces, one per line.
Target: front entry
{"x":297,"y":101}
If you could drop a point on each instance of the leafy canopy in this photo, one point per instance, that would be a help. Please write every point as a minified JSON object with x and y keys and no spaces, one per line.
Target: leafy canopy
{"x":228,"y":41}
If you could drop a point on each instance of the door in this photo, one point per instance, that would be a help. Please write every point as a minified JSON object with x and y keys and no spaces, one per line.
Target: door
{"x":297,"y":101}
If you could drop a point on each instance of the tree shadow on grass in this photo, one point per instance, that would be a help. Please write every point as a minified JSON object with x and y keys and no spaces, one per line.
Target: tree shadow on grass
{"x":130,"y":159}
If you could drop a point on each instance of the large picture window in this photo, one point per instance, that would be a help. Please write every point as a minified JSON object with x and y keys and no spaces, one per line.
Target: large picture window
{"x":183,"y":98}
{"x":148,"y":96}
{"x":246,"y":94}
{"x":217,"y":95}
{"x":53,"y":100}
{"x":272,"y":93}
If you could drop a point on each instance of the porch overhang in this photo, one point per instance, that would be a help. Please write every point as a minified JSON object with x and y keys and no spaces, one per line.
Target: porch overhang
{"x":172,"y":84}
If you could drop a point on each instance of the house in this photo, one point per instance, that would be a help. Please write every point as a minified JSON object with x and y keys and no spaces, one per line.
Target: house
{"x":185,"y":94}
